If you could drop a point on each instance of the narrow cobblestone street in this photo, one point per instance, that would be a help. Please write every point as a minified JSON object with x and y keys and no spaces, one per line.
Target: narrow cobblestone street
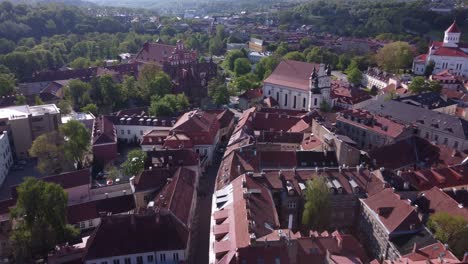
{"x":201,"y":235}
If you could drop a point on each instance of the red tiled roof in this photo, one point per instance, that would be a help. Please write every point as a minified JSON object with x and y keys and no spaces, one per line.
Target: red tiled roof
{"x":252,"y":94}
{"x":294,"y":74}
{"x":119,"y":235}
{"x":172,"y":157}
{"x":442,"y":178}
{"x":103,"y":131}
{"x":348,"y":95}
{"x":378,"y":123}
{"x":427,"y":255}
{"x":394,"y":213}
{"x":177,"y":195}
{"x":453,"y":28}
{"x":154,"y":178}
{"x":435,"y":200}
{"x":451,"y":52}
{"x":200,"y":126}
{"x":153,"y":52}
{"x":70,"y":179}
{"x":90,"y":210}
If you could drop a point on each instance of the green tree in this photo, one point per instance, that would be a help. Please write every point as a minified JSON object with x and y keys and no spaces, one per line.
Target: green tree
{"x":294,"y":55}
{"x":7,"y":84}
{"x":231,"y":57}
{"x":77,"y":141}
{"x":355,"y":76}
{"x":429,"y":69}
{"x":450,"y":229}
{"x":160,"y":85}
{"x":317,"y":205}
{"x":38,"y":100}
{"x":40,"y":214}
{"x":135,"y":162}
{"x":242,"y":66}
{"x":168,"y":105}
{"x":395,"y":56}
{"x":48,"y":149}
{"x":20,"y":100}
{"x":90,"y":108}
{"x":80,"y":63}
{"x":218,"y":91}
{"x":78,"y":92}
{"x":419,"y":85}
{"x":266,"y":66}
{"x":246,"y":82}
{"x":64,"y":107}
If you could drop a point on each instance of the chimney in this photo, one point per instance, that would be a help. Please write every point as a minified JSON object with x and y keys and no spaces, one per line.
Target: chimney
{"x":239,"y":169}
{"x":124,"y":192}
{"x":107,"y":195}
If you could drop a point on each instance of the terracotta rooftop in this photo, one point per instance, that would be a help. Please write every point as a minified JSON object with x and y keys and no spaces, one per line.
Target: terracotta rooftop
{"x":453,"y":28}
{"x":141,"y":234}
{"x":294,"y":74}
{"x":103,"y":131}
{"x":394,"y":213}
{"x":430,"y":254}
{"x":153,"y":52}
{"x":435,"y":200}
{"x":91,"y":210}
{"x":445,"y":177}
{"x":177,"y":195}
{"x":376,"y":123}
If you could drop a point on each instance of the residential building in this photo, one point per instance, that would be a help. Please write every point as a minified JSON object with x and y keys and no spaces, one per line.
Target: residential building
{"x":449,"y":80}
{"x":347,"y":97}
{"x":299,"y":85}
{"x":87,"y":119}
{"x":450,"y":54}
{"x":376,"y":78}
{"x":386,"y":220}
{"x":257,"y":45}
{"x":198,"y":129}
{"x":433,"y":253}
{"x":255,"y":57}
{"x":25,"y":123}
{"x":250,"y":98}
{"x":369,"y":130}
{"x":104,"y":140}
{"x":6,"y":157}
{"x":137,"y":239}
{"x":432,"y":101}
{"x":434,"y":126}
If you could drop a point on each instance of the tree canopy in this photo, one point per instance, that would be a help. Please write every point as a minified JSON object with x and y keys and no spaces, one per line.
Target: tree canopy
{"x":450,"y":229}
{"x":395,"y":56}
{"x":168,"y":105}
{"x":77,"y":141}
{"x":242,"y":66}
{"x":316,"y":213}
{"x":419,"y":85}
{"x":48,"y":149}
{"x":135,"y":162}
{"x":40,"y":214}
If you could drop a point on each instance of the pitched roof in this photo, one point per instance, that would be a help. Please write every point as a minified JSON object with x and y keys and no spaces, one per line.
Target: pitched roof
{"x":119,"y":235}
{"x":252,"y":94}
{"x":70,"y":179}
{"x":163,"y":158}
{"x":444,"y":177}
{"x":91,"y":210}
{"x":103,"y":131}
{"x":153,"y":52}
{"x":376,"y":123}
{"x":420,"y":116}
{"x":200,"y":126}
{"x":435,"y":200}
{"x":177,"y":195}
{"x":453,"y":28}
{"x":394,"y":213}
{"x":429,"y":254}
{"x":294,"y":74}
{"x":154,"y":178}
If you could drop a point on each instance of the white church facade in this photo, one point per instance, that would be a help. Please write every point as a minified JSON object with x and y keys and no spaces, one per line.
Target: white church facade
{"x":299,"y":85}
{"x":450,"y":54}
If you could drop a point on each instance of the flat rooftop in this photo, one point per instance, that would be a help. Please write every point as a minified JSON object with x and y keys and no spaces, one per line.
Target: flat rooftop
{"x":23,"y":111}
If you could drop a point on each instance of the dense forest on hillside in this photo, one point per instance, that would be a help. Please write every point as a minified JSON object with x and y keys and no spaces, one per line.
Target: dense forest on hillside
{"x":366,"y":18}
